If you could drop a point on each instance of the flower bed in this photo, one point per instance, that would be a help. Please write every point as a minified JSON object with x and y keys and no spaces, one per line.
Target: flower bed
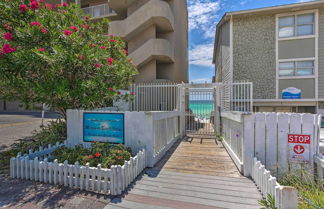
{"x":107,"y":178}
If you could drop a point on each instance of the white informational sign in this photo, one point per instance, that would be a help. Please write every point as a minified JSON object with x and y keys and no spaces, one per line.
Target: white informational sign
{"x":299,"y":148}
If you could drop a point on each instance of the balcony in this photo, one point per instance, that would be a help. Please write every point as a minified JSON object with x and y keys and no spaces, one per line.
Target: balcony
{"x":158,"y":49}
{"x":98,"y":11}
{"x":155,"y":12}
{"x":120,"y":6}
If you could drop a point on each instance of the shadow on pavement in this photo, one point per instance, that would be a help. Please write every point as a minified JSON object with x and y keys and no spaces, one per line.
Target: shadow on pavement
{"x":16,"y":193}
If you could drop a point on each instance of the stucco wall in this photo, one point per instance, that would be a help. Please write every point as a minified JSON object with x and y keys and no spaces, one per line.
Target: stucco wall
{"x":254,"y":54}
{"x":321,"y":54}
{"x":307,"y":86}
{"x":179,"y":40}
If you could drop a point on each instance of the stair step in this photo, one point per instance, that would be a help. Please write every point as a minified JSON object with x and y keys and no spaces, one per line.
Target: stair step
{"x":222,"y":190}
{"x":196,"y":200}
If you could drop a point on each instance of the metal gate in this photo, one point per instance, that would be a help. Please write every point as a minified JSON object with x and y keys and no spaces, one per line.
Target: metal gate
{"x":199,"y":109}
{"x":200,"y":104}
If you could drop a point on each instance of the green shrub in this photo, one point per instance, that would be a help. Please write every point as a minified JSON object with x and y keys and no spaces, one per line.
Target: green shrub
{"x":105,"y":154}
{"x":268,"y":203}
{"x":306,"y":187}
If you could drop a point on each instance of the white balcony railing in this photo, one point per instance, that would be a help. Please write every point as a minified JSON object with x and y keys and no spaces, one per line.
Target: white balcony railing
{"x":97,"y":11}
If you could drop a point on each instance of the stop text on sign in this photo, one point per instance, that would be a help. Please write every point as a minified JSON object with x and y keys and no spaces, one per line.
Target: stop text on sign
{"x":299,"y":139}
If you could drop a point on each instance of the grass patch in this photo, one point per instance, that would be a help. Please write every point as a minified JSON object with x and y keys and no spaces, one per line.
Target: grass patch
{"x":54,"y":132}
{"x":307,"y":188}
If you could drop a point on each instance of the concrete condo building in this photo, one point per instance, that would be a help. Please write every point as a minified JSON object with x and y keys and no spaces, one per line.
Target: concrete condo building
{"x":156,"y":33}
{"x":280,"y":49}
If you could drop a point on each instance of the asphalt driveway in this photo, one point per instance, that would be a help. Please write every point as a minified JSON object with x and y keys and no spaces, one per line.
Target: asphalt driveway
{"x":17,"y":125}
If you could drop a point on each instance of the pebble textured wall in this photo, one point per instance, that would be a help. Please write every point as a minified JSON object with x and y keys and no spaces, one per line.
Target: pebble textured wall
{"x":254,"y":53}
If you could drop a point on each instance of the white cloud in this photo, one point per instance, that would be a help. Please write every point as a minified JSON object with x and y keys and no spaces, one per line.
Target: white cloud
{"x":203,"y":16}
{"x":202,"y":55}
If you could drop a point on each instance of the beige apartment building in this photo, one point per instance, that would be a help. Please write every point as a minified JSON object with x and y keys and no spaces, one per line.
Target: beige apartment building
{"x":156,"y":33}
{"x":280,"y":49}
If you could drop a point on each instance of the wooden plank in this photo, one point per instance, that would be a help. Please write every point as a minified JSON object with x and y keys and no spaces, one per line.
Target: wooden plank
{"x":189,"y":187}
{"x":283,"y":130}
{"x":260,"y":133}
{"x":198,"y":176}
{"x":248,"y":144}
{"x":133,"y":205}
{"x":205,"y":185}
{"x":271,"y":142}
{"x":308,"y":128}
{"x":195,"y":194}
{"x":295,"y":128}
{"x":196,"y":200}
{"x":198,"y":180}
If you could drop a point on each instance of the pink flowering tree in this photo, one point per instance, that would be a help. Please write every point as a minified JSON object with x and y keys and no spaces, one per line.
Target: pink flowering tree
{"x":55,"y":55}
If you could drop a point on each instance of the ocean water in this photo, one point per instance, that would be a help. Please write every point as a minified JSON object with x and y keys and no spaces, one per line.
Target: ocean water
{"x":201,"y":108}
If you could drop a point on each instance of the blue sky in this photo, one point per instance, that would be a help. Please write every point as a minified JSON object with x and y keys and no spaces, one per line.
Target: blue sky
{"x":203,"y":17}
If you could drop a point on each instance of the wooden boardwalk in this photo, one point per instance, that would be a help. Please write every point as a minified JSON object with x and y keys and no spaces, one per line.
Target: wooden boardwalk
{"x":191,"y":176}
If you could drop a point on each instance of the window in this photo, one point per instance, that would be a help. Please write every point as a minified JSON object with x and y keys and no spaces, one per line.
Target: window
{"x":299,"y":68}
{"x":296,"y":25}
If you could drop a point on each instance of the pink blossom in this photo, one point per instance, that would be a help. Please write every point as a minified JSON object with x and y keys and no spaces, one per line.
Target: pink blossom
{"x":103,"y":47}
{"x":35,"y":23}
{"x":7,"y":36}
{"x":41,"y":49}
{"x":6,"y":49}
{"x":49,"y":6}
{"x":86,"y":17}
{"x":34,"y":5}
{"x":65,"y":4}
{"x":98,"y":65}
{"x":67,"y":32}
{"x":112,"y":40}
{"x":57,"y":5}
{"x":23,"y":8}
{"x":44,"y":31}
{"x":132,"y":93}
{"x":74,"y":28}
{"x":8,"y":27}
{"x":110,"y":60}
{"x":111,"y":89}
{"x":126,"y":52}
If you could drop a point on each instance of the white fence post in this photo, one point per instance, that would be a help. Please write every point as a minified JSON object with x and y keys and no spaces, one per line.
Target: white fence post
{"x":288,"y":198}
{"x":248,"y":144}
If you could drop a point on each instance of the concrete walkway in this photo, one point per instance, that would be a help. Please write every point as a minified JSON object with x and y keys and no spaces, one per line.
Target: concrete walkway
{"x":191,"y":176}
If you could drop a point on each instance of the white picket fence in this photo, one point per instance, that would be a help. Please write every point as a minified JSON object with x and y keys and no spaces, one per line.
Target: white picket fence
{"x":265,"y":135}
{"x":285,"y":197}
{"x":114,"y":180}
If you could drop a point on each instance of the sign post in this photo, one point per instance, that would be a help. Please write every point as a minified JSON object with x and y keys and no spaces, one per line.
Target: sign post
{"x":299,"y":147}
